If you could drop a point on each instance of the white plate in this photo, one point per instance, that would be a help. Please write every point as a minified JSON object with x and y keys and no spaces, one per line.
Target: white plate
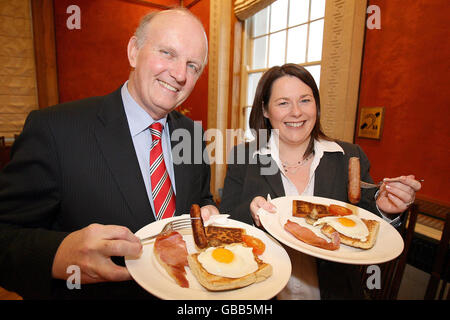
{"x":388,"y":246}
{"x":148,"y":273}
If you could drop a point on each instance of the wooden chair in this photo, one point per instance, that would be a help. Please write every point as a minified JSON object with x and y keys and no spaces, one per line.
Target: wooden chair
{"x":3,"y":153}
{"x":392,"y":271}
{"x":437,"y":285}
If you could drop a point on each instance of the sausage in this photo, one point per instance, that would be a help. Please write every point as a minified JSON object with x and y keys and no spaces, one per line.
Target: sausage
{"x":306,"y":235}
{"x":198,"y":230}
{"x":354,"y":180}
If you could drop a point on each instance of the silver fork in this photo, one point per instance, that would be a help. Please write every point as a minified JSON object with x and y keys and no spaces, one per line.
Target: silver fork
{"x":172,"y":225}
{"x":367,"y":185}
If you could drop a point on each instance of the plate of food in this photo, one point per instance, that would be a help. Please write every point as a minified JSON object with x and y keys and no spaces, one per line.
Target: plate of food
{"x":232,"y":261}
{"x":332,"y":230}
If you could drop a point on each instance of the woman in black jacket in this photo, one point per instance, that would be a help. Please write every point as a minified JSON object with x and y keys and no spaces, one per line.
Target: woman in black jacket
{"x":294,"y":157}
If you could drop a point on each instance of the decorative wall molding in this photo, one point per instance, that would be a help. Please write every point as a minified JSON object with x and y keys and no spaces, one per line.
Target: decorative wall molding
{"x":244,"y":9}
{"x":152,"y":4}
{"x":45,"y":52}
{"x":341,"y":66}
{"x":218,"y":81}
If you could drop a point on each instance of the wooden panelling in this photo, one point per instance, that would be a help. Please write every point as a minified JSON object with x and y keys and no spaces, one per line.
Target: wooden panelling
{"x":44,"y":42}
{"x":18,"y":94}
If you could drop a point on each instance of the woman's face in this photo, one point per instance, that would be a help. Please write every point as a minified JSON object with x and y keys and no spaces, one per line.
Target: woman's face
{"x":292,"y":110}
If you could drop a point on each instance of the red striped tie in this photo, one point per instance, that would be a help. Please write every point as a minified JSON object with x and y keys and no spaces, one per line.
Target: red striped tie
{"x":162,"y":192}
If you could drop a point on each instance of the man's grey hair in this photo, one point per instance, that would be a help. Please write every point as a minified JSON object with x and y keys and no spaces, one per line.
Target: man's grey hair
{"x":141,"y":34}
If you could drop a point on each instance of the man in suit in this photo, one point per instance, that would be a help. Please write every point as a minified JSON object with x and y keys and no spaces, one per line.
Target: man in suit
{"x":78,"y":185}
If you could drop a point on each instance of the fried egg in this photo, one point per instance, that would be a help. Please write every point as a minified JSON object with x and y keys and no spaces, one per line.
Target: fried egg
{"x":231,"y":261}
{"x":350,"y":226}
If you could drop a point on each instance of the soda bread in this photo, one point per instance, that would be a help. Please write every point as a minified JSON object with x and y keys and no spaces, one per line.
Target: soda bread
{"x":219,"y":236}
{"x":217,"y":283}
{"x":373,"y":227}
{"x":303,"y":208}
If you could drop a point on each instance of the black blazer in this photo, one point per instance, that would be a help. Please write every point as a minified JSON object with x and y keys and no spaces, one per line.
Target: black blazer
{"x":243,"y":182}
{"x":75,"y":164}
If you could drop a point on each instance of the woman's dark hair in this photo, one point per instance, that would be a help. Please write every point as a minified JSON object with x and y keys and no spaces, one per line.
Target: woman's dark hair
{"x":262,"y":96}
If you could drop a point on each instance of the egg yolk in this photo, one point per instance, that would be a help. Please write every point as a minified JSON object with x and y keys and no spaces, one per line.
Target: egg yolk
{"x":223,"y":255}
{"x":347,"y":222}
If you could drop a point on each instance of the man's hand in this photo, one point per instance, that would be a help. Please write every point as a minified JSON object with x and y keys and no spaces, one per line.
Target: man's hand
{"x":91,"y":249}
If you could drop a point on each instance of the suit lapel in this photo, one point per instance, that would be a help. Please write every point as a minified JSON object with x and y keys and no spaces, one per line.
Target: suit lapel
{"x":326,"y":171}
{"x":114,"y":140}
{"x":182,"y":171}
{"x":273,"y":180}
{"x":179,"y":170}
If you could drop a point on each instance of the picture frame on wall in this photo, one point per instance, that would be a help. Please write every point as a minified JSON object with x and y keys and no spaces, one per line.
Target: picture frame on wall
{"x":371,"y":122}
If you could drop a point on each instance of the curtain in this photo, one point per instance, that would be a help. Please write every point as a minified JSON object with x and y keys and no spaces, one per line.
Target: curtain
{"x":244,"y":9}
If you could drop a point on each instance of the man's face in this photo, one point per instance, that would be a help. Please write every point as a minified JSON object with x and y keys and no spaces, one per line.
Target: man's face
{"x":168,"y":64}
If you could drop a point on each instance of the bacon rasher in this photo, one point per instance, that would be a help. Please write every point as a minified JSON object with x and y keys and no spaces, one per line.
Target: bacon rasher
{"x":309,"y":237}
{"x":171,"y":251}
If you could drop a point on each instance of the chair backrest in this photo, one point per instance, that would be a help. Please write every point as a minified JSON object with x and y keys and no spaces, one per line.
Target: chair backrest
{"x":408,"y":234}
{"x":392,"y":271}
{"x":438,"y":283}
{"x":3,"y":153}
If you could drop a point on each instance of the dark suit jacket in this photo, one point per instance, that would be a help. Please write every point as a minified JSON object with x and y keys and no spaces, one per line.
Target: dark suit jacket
{"x":244,"y":182}
{"x":75,"y":164}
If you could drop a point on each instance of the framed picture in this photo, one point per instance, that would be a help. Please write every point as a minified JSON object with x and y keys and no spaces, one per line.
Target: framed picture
{"x":371,"y":122}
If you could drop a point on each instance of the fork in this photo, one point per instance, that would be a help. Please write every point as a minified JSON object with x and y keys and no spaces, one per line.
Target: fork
{"x":172,"y":225}
{"x":367,"y":185}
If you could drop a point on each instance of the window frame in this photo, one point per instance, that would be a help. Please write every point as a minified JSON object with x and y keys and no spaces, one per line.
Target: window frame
{"x":247,"y":54}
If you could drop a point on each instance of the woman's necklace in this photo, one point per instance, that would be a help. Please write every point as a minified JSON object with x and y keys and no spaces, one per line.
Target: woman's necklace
{"x":294,"y":167}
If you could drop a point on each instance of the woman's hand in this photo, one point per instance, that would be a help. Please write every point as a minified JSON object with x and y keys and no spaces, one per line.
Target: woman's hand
{"x":207,"y":211}
{"x":257,"y":203}
{"x":397,"y":194}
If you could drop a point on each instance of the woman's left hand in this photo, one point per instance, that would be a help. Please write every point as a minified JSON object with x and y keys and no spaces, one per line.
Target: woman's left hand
{"x":397,"y":194}
{"x":207,"y":211}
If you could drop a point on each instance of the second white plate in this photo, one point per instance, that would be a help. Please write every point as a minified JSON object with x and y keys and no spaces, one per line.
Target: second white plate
{"x":388,"y":246}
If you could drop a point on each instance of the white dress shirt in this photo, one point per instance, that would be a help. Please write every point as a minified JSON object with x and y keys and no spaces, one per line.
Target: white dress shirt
{"x":138,"y":122}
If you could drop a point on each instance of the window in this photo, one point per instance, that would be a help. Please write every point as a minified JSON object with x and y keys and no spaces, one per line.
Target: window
{"x":287,"y":31}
